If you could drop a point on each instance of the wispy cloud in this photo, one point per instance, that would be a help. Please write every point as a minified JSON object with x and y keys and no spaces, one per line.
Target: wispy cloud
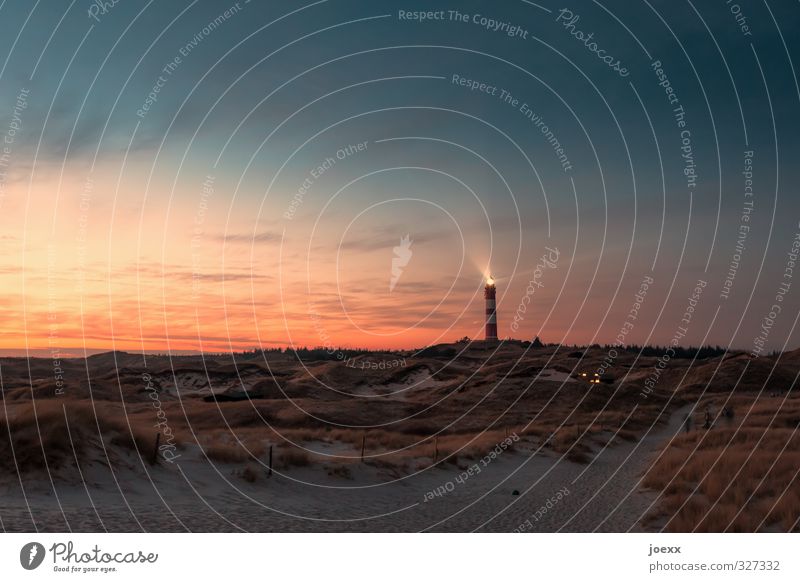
{"x":248,"y":238}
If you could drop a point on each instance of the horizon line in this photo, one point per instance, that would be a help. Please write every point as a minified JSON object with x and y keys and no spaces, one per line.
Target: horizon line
{"x":71,"y":354}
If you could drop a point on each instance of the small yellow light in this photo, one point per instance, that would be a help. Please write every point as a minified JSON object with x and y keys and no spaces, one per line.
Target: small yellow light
{"x":490,"y":280}
{"x":583,"y":374}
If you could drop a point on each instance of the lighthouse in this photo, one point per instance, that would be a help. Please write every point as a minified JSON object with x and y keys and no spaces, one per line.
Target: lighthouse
{"x":489,"y":293}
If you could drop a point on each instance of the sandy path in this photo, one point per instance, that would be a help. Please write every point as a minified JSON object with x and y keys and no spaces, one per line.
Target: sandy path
{"x":602,"y":496}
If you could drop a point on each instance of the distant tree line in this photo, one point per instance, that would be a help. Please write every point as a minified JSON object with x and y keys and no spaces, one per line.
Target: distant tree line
{"x":332,"y":354}
{"x":680,"y":352}
{"x":317,"y":353}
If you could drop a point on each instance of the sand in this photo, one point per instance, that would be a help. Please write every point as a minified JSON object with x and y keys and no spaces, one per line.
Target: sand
{"x":195,"y":495}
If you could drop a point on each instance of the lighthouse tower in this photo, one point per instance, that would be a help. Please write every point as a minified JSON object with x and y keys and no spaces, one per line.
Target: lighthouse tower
{"x":489,"y":293}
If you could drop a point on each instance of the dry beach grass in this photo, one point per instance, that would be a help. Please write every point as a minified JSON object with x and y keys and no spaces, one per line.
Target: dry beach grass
{"x":741,"y":475}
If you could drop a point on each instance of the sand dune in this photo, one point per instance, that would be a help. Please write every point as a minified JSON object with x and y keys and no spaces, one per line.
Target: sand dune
{"x":87,"y":457}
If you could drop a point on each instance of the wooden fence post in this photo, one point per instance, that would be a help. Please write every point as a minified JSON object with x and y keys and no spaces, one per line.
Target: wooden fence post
{"x":363,"y":446}
{"x":155,"y":450}
{"x":270,"y":461}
